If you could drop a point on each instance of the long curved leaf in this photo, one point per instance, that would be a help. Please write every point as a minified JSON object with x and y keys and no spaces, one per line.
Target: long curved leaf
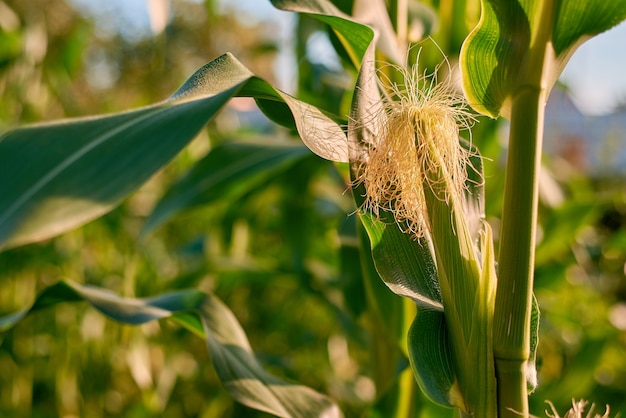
{"x":57,"y":176}
{"x":354,"y":36}
{"x":227,"y":171}
{"x":207,"y":316}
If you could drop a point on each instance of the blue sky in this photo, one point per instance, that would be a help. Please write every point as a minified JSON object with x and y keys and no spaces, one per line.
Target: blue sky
{"x":595,"y":74}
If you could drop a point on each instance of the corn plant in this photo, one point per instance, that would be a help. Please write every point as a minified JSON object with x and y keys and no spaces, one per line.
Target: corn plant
{"x":469,"y":321}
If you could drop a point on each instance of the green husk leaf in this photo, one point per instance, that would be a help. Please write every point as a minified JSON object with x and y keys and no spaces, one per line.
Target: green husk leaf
{"x":431,"y":358}
{"x":404,"y":264}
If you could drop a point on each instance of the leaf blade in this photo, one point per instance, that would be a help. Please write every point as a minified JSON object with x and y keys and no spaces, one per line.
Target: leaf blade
{"x":58,"y":176}
{"x":354,"y":36}
{"x":233,"y":358}
{"x":431,"y":358}
{"x":527,"y":43}
{"x":71,"y":182}
{"x":226,"y":172}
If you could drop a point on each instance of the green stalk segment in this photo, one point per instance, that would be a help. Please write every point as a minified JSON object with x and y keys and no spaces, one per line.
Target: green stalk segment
{"x":513,"y":307}
{"x":517,"y":245}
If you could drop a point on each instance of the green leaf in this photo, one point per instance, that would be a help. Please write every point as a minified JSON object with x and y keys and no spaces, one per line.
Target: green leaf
{"x":527,"y":43}
{"x":404,"y":264}
{"x":226,"y":172}
{"x":57,"y":176}
{"x":576,"y":21}
{"x":208,"y":317}
{"x":354,"y":36}
{"x":431,"y":358}
{"x":531,"y":367}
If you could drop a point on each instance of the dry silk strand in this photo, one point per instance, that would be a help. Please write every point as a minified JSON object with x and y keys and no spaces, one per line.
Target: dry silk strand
{"x":578,"y":411}
{"x":418,"y":147}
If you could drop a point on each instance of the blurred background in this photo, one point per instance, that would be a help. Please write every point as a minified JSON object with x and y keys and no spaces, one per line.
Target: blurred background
{"x":283,"y":255}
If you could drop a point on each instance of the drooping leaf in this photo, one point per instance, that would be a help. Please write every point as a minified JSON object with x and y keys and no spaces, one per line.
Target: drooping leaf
{"x":244,"y":377}
{"x":205,"y":315}
{"x":354,"y":36}
{"x":226,"y":172}
{"x":404,"y":264}
{"x":57,"y":176}
{"x":527,"y":43}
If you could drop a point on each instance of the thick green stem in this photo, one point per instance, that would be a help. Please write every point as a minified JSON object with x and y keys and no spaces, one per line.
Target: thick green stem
{"x":517,"y":245}
{"x":513,"y":307}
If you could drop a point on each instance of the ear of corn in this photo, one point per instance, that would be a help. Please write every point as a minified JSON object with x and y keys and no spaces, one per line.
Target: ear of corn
{"x":414,"y":180}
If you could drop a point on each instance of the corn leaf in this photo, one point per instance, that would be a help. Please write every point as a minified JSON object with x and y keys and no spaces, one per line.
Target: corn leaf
{"x":354,"y":36}
{"x":405,"y":265}
{"x":57,"y":176}
{"x":205,"y":315}
{"x":226,"y":172}
{"x":527,"y":42}
{"x":431,"y":358}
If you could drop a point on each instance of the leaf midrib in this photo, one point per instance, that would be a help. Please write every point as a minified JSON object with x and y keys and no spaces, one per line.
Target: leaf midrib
{"x":72,"y":158}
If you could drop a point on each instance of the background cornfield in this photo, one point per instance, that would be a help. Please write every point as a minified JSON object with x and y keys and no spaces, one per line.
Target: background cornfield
{"x":280,"y":252}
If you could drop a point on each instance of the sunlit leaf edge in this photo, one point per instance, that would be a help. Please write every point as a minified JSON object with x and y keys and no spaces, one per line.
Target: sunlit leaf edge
{"x":79,"y":184}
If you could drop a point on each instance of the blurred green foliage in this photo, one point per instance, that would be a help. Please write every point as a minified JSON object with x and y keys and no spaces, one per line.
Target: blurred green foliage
{"x":283,"y":257}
